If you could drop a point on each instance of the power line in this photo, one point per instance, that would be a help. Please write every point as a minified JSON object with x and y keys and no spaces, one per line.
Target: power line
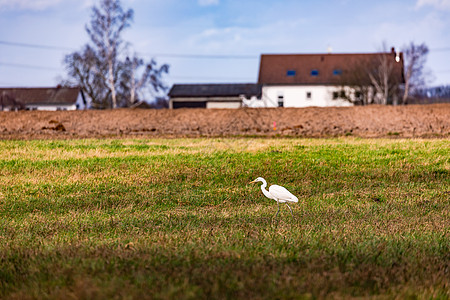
{"x":29,"y":66}
{"x":13,"y":65}
{"x":26,"y":66}
{"x":169,"y":55}
{"x":26,"y":45}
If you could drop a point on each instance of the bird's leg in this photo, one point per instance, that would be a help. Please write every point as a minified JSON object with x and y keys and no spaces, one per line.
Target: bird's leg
{"x":278,"y":204}
{"x":290,"y":210}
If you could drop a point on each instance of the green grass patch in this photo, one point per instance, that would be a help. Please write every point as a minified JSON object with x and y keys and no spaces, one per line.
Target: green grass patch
{"x":176,"y":218}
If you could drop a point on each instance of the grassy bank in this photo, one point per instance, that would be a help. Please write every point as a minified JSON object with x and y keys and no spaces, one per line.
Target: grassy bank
{"x":177,"y":219}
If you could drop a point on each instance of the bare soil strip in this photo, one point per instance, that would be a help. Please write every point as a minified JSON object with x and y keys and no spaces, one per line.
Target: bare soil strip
{"x":413,"y":121}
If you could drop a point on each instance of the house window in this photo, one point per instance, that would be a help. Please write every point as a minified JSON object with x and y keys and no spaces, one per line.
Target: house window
{"x":280,"y":101}
{"x":314,"y":72}
{"x":337,"y":72}
{"x":290,"y":73}
{"x":308,"y":95}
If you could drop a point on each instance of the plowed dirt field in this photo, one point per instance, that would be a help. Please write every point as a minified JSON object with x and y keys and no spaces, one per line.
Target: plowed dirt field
{"x":421,"y":121}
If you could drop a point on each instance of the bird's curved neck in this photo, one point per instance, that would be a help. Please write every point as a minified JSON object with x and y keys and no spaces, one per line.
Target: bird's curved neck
{"x":264,"y":183}
{"x":263,"y":189}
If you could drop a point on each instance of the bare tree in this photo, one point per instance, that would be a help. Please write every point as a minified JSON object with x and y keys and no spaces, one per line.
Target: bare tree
{"x":385,"y":76}
{"x":102,"y":70}
{"x":133,"y":79}
{"x":87,"y":70}
{"x":107,"y":23}
{"x":415,"y":57}
{"x":374,"y":78}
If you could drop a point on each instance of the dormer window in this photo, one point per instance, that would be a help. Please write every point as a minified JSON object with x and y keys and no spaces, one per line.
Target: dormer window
{"x":314,"y":72}
{"x":290,"y":73}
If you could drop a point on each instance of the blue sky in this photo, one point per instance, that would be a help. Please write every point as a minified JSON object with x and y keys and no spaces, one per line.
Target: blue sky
{"x":220,"y":40}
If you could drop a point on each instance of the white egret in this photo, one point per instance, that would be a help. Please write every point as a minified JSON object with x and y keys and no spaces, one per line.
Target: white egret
{"x":277,"y":193}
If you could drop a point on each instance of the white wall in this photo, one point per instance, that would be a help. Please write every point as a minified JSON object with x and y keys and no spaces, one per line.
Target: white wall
{"x":51,"y":107}
{"x":296,"y":96}
{"x":80,"y":104}
{"x":253,"y":102}
{"x":215,"y":104}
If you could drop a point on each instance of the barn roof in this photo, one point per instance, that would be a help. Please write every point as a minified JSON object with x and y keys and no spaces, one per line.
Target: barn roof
{"x":318,"y":68}
{"x":43,"y":96}
{"x":215,"y":90}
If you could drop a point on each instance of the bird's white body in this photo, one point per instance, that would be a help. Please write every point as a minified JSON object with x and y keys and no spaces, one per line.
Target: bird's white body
{"x":281,"y":194}
{"x":277,"y":193}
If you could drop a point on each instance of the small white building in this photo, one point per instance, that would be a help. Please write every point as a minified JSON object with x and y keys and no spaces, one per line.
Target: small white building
{"x":212,"y":95}
{"x":59,"y":98}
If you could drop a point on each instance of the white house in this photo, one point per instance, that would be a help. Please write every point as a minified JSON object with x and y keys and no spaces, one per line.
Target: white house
{"x":301,"y":80}
{"x":59,"y":98}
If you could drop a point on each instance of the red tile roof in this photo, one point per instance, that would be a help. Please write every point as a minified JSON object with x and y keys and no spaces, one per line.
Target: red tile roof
{"x":316,"y":68}
{"x":43,"y":96}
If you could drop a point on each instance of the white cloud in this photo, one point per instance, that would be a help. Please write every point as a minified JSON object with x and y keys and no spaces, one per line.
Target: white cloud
{"x":439,"y":4}
{"x":28,"y":4}
{"x":208,"y":2}
{"x":270,"y":37}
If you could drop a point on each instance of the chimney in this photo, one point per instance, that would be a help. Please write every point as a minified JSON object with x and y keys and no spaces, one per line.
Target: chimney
{"x":393,"y":50}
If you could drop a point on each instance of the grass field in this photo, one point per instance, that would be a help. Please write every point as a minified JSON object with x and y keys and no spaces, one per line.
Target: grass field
{"x":177,"y":219}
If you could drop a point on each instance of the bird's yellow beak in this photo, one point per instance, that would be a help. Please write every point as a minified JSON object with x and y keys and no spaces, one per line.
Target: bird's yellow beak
{"x":252,"y":181}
